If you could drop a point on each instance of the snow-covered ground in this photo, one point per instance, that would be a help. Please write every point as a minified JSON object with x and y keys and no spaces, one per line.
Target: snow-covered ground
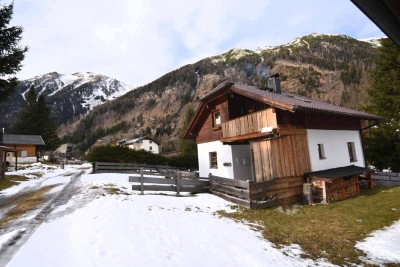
{"x":96,"y":228}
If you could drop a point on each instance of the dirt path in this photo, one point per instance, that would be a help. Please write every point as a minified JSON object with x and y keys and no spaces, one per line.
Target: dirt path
{"x":28,"y":227}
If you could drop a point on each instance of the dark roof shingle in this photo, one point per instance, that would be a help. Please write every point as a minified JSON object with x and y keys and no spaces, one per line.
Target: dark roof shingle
{"x":335,"y":173}
{"x":18,"y":139}
{"x":289,"y":101}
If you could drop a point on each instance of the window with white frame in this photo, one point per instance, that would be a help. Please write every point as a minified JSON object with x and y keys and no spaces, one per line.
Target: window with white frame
{"x":321,"y":151}
{"x":352,"y":151}
{"x":216,"y":118}
{"x":213,"y":160}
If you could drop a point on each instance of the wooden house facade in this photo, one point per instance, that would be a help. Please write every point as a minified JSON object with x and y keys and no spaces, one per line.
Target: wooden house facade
{"x":247,"y":133}
{"x":26,"y":147}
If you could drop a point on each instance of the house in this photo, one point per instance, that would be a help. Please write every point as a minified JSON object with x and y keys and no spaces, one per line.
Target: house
{"x":248,"y":133}
{"x":139,"y":143}
{"x":27,"y":145}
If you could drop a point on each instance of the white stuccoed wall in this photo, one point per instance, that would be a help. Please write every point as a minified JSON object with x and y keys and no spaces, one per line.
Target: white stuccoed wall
{"x":146,"y":146}
{"x":335,"y":145}
{"x":224,"y":154}
{"x":238,"y":156}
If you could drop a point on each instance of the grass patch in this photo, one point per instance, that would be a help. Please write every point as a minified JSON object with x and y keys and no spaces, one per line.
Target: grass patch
{"x":23,"y":204}
{"x":328,"y":231}
{"x":110,"y":189}
{"x":11,"y":180}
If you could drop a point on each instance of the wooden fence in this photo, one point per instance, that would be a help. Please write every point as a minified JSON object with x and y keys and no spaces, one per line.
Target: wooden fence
{"x":110,"y":167}
{"x":244,"y":193}
{"x":386,"y":178}
{"x":177,"y":182}
{"x":165,"y":178}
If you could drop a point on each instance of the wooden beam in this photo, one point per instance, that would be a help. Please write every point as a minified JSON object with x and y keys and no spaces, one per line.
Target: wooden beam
{"x":245,"y":137}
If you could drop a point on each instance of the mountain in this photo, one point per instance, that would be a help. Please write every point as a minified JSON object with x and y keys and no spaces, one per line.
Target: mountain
{"x":69,"y":96}
{"x":332,"y":68}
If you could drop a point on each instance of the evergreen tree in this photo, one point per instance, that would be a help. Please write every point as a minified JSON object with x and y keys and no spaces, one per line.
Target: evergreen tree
{"x":11,"y":54}
{"x":382,"y":146}
{"x":27,"y":116}
{"x":46,"y":125}
{"x":187,"y":147}
{"x":35,"y":118}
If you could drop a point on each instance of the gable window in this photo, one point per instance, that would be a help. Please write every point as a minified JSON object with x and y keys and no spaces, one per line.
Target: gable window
{"x":321,"y":151}
{"x":352,"y":151}
{"x":213,"y":160}
{"x":216,"y":115}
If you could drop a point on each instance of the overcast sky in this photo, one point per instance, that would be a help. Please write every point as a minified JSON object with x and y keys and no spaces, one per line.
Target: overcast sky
{"x":137,"y":41}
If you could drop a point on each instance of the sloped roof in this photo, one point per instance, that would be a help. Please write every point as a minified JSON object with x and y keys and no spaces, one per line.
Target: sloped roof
{"x":335,"y":173}
{"x":138,"y":140}
{"x":18,"y":139}
{"x":284,"y":101}
{"x":288,"y":101}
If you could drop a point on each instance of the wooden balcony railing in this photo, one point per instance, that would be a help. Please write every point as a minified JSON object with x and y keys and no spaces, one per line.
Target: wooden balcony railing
{"x":249,"y":124}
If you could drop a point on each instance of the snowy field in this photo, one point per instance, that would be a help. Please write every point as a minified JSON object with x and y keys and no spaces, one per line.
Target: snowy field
{"x":96,"y":228}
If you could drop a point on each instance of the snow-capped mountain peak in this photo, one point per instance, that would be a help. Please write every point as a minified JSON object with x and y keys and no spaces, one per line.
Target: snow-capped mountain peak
{"x":75,"y":94}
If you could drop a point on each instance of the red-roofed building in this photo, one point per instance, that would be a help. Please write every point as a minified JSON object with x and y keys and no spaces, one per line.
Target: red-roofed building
{"x":247,"y":133}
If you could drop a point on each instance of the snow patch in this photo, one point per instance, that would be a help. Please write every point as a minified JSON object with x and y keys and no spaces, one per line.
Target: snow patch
{"x":382,"y":246}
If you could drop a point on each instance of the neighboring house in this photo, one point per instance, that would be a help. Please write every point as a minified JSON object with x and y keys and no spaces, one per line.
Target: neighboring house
{"x":139,"y":143}
{"x":27,"y":145}
{"x":247,"y":133}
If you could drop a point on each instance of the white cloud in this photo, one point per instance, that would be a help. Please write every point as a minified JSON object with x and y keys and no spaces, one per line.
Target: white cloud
{"x":138,"y":41}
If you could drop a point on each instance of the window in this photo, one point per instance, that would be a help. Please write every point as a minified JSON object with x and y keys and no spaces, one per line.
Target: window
{"x":151,"y":148}
{"x":216,"y":118}
{"x":150,"y":141}
{"x":24,"y":154}
{"x":213,"y":160}
{"x":352,"y":151}
{"x":321,"y":151}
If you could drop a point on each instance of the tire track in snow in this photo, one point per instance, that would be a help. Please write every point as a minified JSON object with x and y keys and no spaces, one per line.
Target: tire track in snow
{"x":9,"y":249}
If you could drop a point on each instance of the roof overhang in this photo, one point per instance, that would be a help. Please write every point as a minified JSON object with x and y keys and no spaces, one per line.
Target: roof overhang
{"x":385,"y":14}
{"x":9,"y":149}
{"x":336,"y":173}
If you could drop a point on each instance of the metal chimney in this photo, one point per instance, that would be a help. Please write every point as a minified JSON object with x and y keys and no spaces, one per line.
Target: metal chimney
{"x":274,"y":83}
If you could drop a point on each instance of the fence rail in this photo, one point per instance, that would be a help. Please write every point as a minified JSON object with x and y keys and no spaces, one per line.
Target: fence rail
{"x":110,"y":167}
{"x":177,"y":182}
{"x":386,"y":178}
{"x":166,"y":178}
{"x":244,"y":193}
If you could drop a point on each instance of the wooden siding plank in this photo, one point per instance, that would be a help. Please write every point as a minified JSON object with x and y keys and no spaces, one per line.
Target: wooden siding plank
{"x":257,"y":161}
{"x":251,"y":123}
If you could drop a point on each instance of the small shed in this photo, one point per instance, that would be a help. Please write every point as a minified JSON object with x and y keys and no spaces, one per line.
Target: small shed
{"x":27,"y":146}
{"x":3,"y":162}
{"x":337,"y":184}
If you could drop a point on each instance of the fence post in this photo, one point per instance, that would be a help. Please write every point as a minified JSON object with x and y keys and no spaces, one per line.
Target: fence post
{"x":178,"y":184}
{"x":141,"y":180}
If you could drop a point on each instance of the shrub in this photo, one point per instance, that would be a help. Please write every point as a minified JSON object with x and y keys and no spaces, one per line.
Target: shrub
{"x":127,"y":155}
